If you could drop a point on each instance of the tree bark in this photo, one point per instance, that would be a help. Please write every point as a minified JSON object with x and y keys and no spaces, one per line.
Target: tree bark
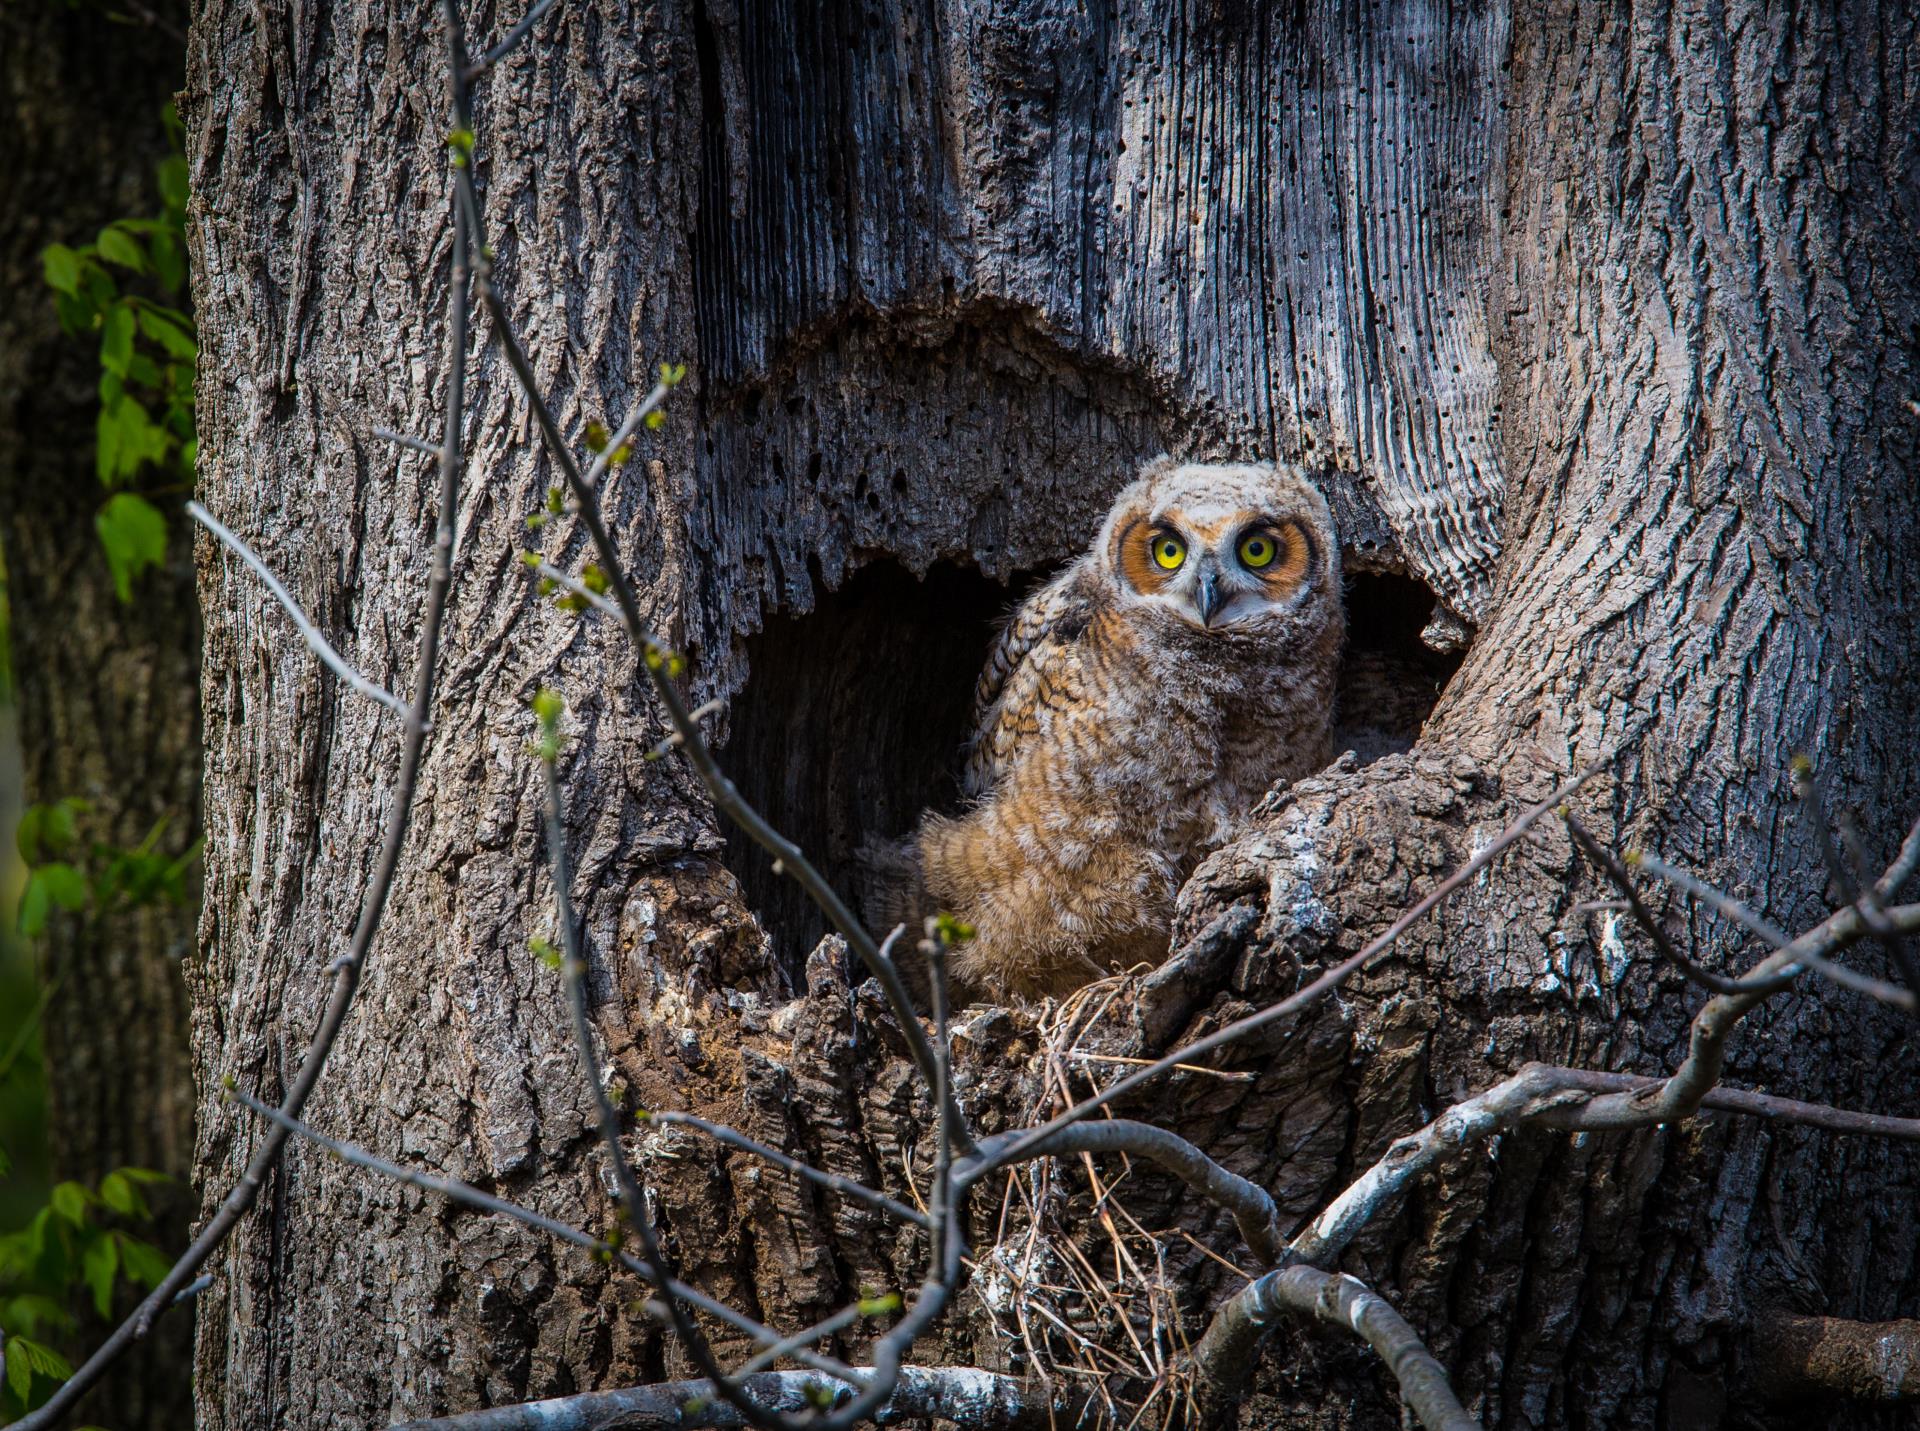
{"x":1632,"y":297}
{"x":107,"y":694}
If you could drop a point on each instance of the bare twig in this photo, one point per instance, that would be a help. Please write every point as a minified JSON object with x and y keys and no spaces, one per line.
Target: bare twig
{"x":418,"y":444}
{"x":473,"y":1197}
{"x":978,"y":1400}
{"x":1678,"y":1096}
{"x":1739,"y":913}
{"x":1813,"y":801}
{"x":833,"y":1181}
{"x":1611,"y":867}
{"x":586,"y":593}
{"x":1558,"y":1097}
{"x":1226,"y":1352}
{"x":309,"y":632}
{"x":1253,"y":1210}
{"x":506,"y":46}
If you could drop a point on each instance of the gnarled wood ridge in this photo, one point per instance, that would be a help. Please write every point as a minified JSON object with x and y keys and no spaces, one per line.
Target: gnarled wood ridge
{"x":1602,"y":328}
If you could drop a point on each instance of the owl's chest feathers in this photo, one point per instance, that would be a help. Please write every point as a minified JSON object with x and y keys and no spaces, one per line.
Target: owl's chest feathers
{"x":1215,"y":724}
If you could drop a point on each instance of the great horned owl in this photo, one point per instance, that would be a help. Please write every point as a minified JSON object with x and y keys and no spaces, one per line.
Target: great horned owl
{"x":1132,"y":709}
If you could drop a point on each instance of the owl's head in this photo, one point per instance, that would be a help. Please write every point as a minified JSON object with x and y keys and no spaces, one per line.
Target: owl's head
{"x":1226,"y":548}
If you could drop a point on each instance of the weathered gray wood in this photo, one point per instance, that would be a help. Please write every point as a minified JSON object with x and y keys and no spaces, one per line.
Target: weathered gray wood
{"x":937,"y":313}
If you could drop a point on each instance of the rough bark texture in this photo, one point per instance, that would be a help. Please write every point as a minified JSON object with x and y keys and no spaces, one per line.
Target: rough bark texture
{"x":946,"y":275}
{"x":107,"y":694}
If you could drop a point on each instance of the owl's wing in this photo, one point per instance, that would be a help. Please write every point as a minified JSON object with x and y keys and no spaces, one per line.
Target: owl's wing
{"x":1031,"y":666}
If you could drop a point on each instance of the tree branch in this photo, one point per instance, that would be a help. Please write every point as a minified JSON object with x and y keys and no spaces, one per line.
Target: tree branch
{"x":319,"y":644}
{"x":1225,"y":1355}
{"x":1795,"y":1356}
{"x":1252,"y":1208}
{"x":832,"y":1181}
{"x":977,"y":1400}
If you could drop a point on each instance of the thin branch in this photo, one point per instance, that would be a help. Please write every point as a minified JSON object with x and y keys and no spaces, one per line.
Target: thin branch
{"x":473,"y":1197}
{"x":632,"y":1204}
{"x":586,"y":593}
{"x":1719,"y":899}
{"x":506,"y":46}
{"x":1871,"y":912}
{"x":800,"y":1340}
{"x":834,"y":1181}
{"x":962,"y":1396}
{"x":1643,"y":916}
{"x":418,"y":444}
{"x":311,"y":633}
{"x":1558,"y":1097}
{"x":1903,"y":867}
{"x":1253,"y":1210}
{"x":1381,"y":1186}
{"x":604,"y":458}
{"x":1813,"y":801}
{"x":1225,"y":1354}
{"x":1677,"y":1097}
{"x":347,"y":968}
{"x":1333,"y":978}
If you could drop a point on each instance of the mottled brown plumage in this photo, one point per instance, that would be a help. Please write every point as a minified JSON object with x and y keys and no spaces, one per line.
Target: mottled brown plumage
{"x":1133,"y":709}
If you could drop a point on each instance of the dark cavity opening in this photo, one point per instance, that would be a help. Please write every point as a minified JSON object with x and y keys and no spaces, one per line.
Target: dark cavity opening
{"x":851,"y":725}
{"x":1390,"y":680}
{"x":854,"y":716}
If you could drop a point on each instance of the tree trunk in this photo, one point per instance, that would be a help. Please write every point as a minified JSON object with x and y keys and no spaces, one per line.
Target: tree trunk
{"x":946,"y":276}
{"x":107,"y":694}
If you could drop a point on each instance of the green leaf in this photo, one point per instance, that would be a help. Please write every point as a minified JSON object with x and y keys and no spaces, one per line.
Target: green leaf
{"x":172,"y":173}
{"x":76,"y":314}
{"x":169,"y":335}
{"x":127,"y":437}
{"x":46,"y":831}
{"x":134,"y":536}
{"x":148,"y":1176}
{"x":66,"y":886}
{"x":144,"y":1264}
{"x":26,"y":1357}
{"x":35,"y":902}
{"x":70,"y":1201}
{"x":122,"y":1196}
{"x":116,"y":339}
{"x":19,"y":1367}
{"x":118,"y":246}
{"x":97,"y":1266}
{"x":62,"y":268}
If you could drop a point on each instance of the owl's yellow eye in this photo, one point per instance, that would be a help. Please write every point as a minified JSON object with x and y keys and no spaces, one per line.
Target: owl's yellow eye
{"x":1258,"y":550}
{"x":1169,"y":552}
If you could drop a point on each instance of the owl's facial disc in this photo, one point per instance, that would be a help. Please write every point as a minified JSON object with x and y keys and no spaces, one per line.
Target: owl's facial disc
{"x":1219,"y":572}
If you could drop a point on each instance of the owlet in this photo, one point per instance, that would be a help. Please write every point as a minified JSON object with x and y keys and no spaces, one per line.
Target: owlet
{"x":1131,"y":711}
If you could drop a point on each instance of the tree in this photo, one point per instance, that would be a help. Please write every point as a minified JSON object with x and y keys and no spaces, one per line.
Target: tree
{"x":1626,"y":299}
{"x":107,"y":692}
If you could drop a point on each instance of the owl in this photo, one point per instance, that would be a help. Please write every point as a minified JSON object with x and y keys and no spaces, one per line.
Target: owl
{"x":1131,"y":711}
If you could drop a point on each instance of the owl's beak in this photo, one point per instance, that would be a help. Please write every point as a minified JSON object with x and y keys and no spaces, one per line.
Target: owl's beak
{"x":1209,"y":597}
